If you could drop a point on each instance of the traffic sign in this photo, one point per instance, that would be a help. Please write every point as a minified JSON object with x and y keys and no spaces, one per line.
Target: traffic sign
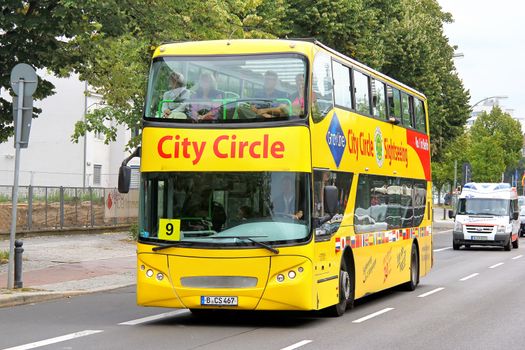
{"x":23,"y":71}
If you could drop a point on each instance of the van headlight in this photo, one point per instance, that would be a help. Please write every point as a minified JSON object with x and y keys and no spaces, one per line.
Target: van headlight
{"x":458,"y":226}
{"x":501,"y":228}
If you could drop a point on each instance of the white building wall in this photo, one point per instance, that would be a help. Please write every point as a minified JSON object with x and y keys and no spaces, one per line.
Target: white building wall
{"x":51,"y":158}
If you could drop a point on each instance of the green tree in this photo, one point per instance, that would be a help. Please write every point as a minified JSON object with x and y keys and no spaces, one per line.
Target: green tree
{"x":500,"y":130}
{"x":46,"y":34}
{"x":117,"y":67}
{"x":401,"y":38}
{"x":486,"y":158}
{"x":455,"y":151}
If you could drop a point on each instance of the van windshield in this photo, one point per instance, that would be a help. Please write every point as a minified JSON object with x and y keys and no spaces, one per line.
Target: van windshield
{"x":483,"y":206}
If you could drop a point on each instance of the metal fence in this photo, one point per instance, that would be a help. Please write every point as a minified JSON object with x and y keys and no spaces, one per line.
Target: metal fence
{"x":50,"y":208}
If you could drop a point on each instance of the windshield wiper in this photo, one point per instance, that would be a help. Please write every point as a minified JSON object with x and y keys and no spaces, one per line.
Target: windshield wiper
{"x":248,"y":238}
{"x":171,"y":245}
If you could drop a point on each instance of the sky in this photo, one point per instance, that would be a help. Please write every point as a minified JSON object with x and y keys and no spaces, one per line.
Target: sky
{"x":491,"y":35}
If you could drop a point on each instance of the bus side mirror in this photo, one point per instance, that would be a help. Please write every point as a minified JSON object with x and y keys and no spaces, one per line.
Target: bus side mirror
{"x":331,"y":195}
{"x":451,"y":214}
{"x":124,"y":178}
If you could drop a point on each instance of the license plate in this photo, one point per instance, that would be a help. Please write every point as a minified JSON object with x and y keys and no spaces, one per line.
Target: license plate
{"x":479,"y":238}
{"x":220,"y":301}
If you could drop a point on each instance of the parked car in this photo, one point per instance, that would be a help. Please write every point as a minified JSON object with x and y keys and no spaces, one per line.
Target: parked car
{"x":522,"y":221}
{"x":521,"y":201}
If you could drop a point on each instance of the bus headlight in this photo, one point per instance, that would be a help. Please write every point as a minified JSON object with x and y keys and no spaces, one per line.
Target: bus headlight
{"x":458,"y":226}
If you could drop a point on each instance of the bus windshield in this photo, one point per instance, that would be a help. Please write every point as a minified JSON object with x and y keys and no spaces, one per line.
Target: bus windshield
{"x":226,"y":208}
{"x":227,"y":89}
{"x":483,"y":206}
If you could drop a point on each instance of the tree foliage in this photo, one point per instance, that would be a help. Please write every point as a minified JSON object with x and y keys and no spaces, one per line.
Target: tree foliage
{"x":47,"y":34}
{"x":496,"y":145}
{"x":492,"y":146}
{"x":112,"y":49}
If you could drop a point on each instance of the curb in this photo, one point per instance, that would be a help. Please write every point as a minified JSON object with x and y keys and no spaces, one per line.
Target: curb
{"x":22,"y":298}
{"x":68,"y":231}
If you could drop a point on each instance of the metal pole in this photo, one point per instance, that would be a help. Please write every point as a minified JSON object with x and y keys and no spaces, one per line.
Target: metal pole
{"x":18,"y":263}
{"x":455,"y":176}
{"x":12,"y":236}
{"x":85,"y":135}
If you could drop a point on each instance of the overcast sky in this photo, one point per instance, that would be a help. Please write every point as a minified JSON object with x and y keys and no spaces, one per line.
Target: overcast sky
{"x":491,"y":35}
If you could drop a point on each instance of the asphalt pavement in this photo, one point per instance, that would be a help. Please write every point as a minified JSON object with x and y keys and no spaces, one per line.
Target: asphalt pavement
{"x":472,"y":299}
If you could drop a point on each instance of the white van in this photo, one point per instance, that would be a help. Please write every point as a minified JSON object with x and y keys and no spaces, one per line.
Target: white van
{"x":487,"y":214}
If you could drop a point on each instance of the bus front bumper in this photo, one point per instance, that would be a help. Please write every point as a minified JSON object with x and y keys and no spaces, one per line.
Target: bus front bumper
{"x":279,"y":282}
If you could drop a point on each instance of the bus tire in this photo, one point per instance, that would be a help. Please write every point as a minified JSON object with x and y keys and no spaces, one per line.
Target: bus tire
{"x":508,"y":247}
{"x":346,"y":291}
{"x":516,"y":243}
{"x":414,"y":270}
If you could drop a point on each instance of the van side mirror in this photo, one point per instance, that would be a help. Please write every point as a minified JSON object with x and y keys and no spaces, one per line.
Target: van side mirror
{"x":451,"y":214}
{"x":515,"y":215}
{"x":124,"y":178}
{"x":330,"y":200}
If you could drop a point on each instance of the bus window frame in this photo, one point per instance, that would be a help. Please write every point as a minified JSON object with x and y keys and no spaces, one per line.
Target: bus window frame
{"x":311,"y":85}
{"x":350,"y":88}
{"x":368,"y":77}
{"x":307,"y":73}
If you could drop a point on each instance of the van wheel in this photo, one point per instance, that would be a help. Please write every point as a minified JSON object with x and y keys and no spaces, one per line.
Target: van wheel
{"x":455,"y":246}
{"x":516,"y":243}
{"x":346,"y":291}
{"x":508,"y":247}
{"x":414,"y":270}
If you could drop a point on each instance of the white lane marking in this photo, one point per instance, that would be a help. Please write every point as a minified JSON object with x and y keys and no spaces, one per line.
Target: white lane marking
{"x":517,"y":257}
{"x":442,"y":249}
{"x":297,"y":345}
{"x":54,"y":340}
{"x":380,"y":312}
{"x":495,"y":265}
{"x":469,"y":277}
{"x":431,"y":292}
{"x":154,"y":317}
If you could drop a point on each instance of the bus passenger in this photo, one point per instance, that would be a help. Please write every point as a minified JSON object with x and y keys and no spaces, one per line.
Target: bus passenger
{"x":271,"y":80}
{"x":283,"y":110}
{"x":177,"y":94}
{"x":207,"y":90}
{"x":286,"y":203}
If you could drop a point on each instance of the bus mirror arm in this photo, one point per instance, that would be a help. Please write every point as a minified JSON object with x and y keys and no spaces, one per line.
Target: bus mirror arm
{"x":124,"y":173}
{"x":394,"y":120}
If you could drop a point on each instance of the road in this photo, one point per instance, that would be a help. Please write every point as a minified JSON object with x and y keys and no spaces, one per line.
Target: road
{"x":472,"y":299}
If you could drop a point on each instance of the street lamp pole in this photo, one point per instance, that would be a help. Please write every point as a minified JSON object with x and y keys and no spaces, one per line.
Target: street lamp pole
{"x":489,"y":98}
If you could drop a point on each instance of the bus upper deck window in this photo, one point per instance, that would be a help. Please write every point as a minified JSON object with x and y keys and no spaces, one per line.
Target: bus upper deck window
{"x":322,"y":90}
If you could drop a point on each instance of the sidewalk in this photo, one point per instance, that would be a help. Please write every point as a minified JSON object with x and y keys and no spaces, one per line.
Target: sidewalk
{"x":61,"y":266}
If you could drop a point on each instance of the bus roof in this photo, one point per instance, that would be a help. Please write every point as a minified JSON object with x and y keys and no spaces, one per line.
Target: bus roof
{"x":268,"y":46}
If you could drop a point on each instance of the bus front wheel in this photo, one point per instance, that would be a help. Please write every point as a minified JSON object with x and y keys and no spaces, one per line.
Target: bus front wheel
{"x":346,"y":291}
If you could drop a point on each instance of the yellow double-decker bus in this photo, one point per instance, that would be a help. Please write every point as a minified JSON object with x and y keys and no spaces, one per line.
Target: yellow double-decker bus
{"x":278,"y":175}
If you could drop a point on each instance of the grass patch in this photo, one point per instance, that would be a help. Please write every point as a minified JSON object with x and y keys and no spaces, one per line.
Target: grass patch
{"x":4,"y":257}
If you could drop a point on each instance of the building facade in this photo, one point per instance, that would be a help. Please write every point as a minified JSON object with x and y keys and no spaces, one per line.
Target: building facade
{"x":52,"y":159}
